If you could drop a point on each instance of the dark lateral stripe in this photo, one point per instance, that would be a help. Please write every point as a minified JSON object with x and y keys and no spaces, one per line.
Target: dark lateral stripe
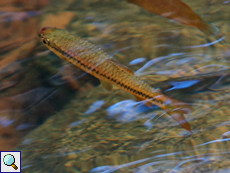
{"x":66,"y":54}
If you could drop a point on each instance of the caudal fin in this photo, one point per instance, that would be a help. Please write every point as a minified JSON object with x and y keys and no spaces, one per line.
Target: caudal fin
{"x":176,"y":109}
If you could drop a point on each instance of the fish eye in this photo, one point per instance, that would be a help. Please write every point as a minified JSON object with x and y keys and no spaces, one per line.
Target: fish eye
{"x":45,"y":41}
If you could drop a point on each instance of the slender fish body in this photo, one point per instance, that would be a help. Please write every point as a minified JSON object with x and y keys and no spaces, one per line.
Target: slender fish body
{"x":93,"y":60}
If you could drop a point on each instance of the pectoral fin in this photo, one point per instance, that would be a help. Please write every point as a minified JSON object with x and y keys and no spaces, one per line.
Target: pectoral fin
{"x":108,"y":86}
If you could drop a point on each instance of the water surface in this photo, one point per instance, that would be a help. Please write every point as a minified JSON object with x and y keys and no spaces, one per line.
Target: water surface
{"x":64,"y":121}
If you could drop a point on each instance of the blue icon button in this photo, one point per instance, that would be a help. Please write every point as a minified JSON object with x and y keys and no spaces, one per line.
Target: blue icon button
{"x":9,"y":160}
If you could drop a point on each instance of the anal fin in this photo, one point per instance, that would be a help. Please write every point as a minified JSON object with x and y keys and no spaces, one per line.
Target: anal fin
{"x":108,"y":86}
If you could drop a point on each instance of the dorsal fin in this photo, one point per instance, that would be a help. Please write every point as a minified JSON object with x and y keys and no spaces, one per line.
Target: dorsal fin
{"x":122,"y":66}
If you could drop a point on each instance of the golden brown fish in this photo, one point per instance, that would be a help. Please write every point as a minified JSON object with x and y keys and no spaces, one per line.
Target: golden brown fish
{"x":93,"y":60}
{"x":177,"y":10}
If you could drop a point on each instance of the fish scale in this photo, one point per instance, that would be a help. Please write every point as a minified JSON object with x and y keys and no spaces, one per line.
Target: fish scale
{"x":93,"y":60}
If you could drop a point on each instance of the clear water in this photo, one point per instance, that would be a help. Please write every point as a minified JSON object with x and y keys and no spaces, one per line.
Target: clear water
{"x":64,"y":121}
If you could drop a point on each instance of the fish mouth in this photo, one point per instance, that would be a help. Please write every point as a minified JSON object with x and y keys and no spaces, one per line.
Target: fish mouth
{"x":40,"y":35}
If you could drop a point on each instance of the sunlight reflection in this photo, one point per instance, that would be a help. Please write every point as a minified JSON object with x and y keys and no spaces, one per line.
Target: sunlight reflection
{"x":129,"y":110}
{"x":137,"y":61}
{"x":182,"y":84}
{"x":205,"y":45}
{"x":104,"y":169}
{"x":214,"y":141}
{"x":94,"y":107}
{"x":77,"y":123}
{"x":162,"y":163}
{"x":153,"y":62}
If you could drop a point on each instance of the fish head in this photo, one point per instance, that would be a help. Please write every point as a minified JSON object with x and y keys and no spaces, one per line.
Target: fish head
{"x":55,"y":37}
{"x":58,"y":40}
{"x":44,"y":34}
{"x":48,"y":35}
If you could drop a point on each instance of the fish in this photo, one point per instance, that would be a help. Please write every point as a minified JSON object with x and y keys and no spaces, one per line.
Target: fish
{"x":176,"y":10}
{"x":90,"y":58}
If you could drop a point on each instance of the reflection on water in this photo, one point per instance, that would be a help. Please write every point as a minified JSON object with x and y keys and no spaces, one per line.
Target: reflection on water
{"x":94,"y":107}
{"x":62,"y":121}
{"x":137,"y":61}
{"x":205,"y":45}
{"x":129,"y":110}
{"x":8,"y":16}
{"x":161,"y":163}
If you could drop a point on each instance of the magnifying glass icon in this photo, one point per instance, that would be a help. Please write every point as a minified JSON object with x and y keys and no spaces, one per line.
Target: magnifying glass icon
{"x":9,"y":160}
